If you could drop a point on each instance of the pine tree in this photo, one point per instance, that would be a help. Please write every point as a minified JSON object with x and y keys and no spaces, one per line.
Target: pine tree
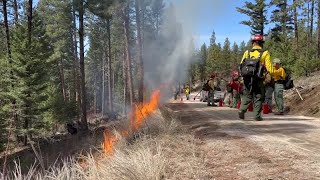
{"x":95,"y":69}
{"x":257,"y":13}
{"x":7,"y":103}
{"x":84,"y":122}
{"x":282,"y":17}
{"x":213,"y":38}
{"x":214,"y":59}
{"x":226,"y":57}
{"x":157,"y":9}
{"x":203,"y":60}
{"x":236,"y":56}
{"x":31,"y":75}
{"x":242,"y":47}
{"x":16,"y":10}
{"x":140,"y":53}
{"x":296,"y":26}
{"x":57,"y":15}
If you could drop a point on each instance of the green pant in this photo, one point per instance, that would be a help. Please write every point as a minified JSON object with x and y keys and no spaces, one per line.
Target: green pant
{"x":278,"y":96}
{"x":211,"y":97}
{"x":268,"y":98}
{"x":228,"y":99}
{"x":176,"y":95}
{"x":236,"y":99}
{"x":257,"y":94}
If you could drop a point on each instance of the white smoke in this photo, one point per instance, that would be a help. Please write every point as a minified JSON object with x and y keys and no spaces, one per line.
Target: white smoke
{"x":167,"y":59}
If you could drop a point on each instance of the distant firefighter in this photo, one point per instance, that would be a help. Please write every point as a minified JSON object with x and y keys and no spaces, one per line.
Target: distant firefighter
{"x":236,"y":87}
{"x":212,"y":84}
{"x":187,"y":93}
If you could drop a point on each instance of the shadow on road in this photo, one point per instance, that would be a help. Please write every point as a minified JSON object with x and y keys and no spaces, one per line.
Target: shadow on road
{"x":212,"y":122}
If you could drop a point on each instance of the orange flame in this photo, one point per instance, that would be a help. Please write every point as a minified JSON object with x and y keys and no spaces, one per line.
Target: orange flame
{"x":138,"y":115}
{"x":109,"y":140}
{"x":144,"y":110}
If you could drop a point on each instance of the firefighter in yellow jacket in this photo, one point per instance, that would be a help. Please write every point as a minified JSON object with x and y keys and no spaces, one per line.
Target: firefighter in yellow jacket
{"x":279,"y":78}
{"x":254,"y":90}
{"x":212,"y":83}
{"x":187,"y":92}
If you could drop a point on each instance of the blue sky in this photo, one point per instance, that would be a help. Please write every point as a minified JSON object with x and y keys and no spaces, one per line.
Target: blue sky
{"x":204,"y":16}
{"x":218,"y":15}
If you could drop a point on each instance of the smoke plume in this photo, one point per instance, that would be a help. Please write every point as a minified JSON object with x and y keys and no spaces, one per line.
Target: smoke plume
{"x":168,"y":57}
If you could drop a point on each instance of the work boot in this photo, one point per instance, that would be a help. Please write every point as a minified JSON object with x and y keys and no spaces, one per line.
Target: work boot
{"x":279,"y":113}
{"x":241,"y":115}
{"x":209,"y":105}
{"x":258,"y":119}
{"x":214,"y":105}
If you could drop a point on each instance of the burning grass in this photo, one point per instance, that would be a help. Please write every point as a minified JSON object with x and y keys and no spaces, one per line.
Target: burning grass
{"x":139,"y":114}
{"x":148,"y":147}
{"x":161,"y":150}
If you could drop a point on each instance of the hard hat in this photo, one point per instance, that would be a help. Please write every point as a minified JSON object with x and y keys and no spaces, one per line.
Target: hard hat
{"x":213,"y":75}
{"x":257,"y":37}
{"x":276,"y":61}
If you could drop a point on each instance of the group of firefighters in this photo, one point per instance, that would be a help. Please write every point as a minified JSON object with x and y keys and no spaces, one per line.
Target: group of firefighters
{"x":246,"y":87}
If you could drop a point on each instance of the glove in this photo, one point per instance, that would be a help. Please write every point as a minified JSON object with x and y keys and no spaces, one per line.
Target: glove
{"x":267,"y":79}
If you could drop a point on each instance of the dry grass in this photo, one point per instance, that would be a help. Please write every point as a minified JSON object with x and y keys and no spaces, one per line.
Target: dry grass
{"x":308,"y":82}
{"x":309,"y":90}
{"x":160,"y":150}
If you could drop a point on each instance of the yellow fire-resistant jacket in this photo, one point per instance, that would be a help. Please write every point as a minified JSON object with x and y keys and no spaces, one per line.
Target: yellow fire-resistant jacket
{"x":265,"y":59}
{"x":211,"y":83}
{"x":279,"y":74}
{"x":187,"y":91}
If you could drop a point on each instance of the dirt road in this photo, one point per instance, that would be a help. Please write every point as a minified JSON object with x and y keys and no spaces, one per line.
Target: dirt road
{"x":284,"y":147}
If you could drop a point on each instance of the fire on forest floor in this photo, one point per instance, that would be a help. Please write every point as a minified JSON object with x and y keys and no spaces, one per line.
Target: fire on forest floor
{"x":159,"y":149}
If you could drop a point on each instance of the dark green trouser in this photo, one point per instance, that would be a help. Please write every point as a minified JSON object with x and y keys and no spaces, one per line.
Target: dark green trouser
{"x":211,"y":97}
{"x":257,"y":95}
{"x":268,"y":98}
{"x":278,"y":96}
{"x":236,"y":99}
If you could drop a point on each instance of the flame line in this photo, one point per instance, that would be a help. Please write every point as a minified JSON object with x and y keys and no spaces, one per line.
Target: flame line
{"x":142,"y":115}
{"x":138,"y":115}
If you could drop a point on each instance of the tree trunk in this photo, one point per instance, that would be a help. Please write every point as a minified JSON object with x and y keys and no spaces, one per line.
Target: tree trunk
{"x":296,"y":30}
{"x":62,"y":80}
{"x":84,"y":123}
{"x":28,"y":103}
{"x":16,"y":12}
{"x":128,"y":54}
{"x":311,"y":20}
{"x":73,"y":49}
{"x":110,"y":92}
{"x":140,"y":57}
{"x":308,"y":29}
{"x":318,"y":29}
{"x":29,"y":21}
{"x":8,"y":43}
{"x":77,"y":92}
{"x":6,"y":25}
{"x":125,"y":84}
{"x":95,"y":95}
{"x":284,"y":20}
{"x":103,"y":95}
{"x":114,"y":80}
